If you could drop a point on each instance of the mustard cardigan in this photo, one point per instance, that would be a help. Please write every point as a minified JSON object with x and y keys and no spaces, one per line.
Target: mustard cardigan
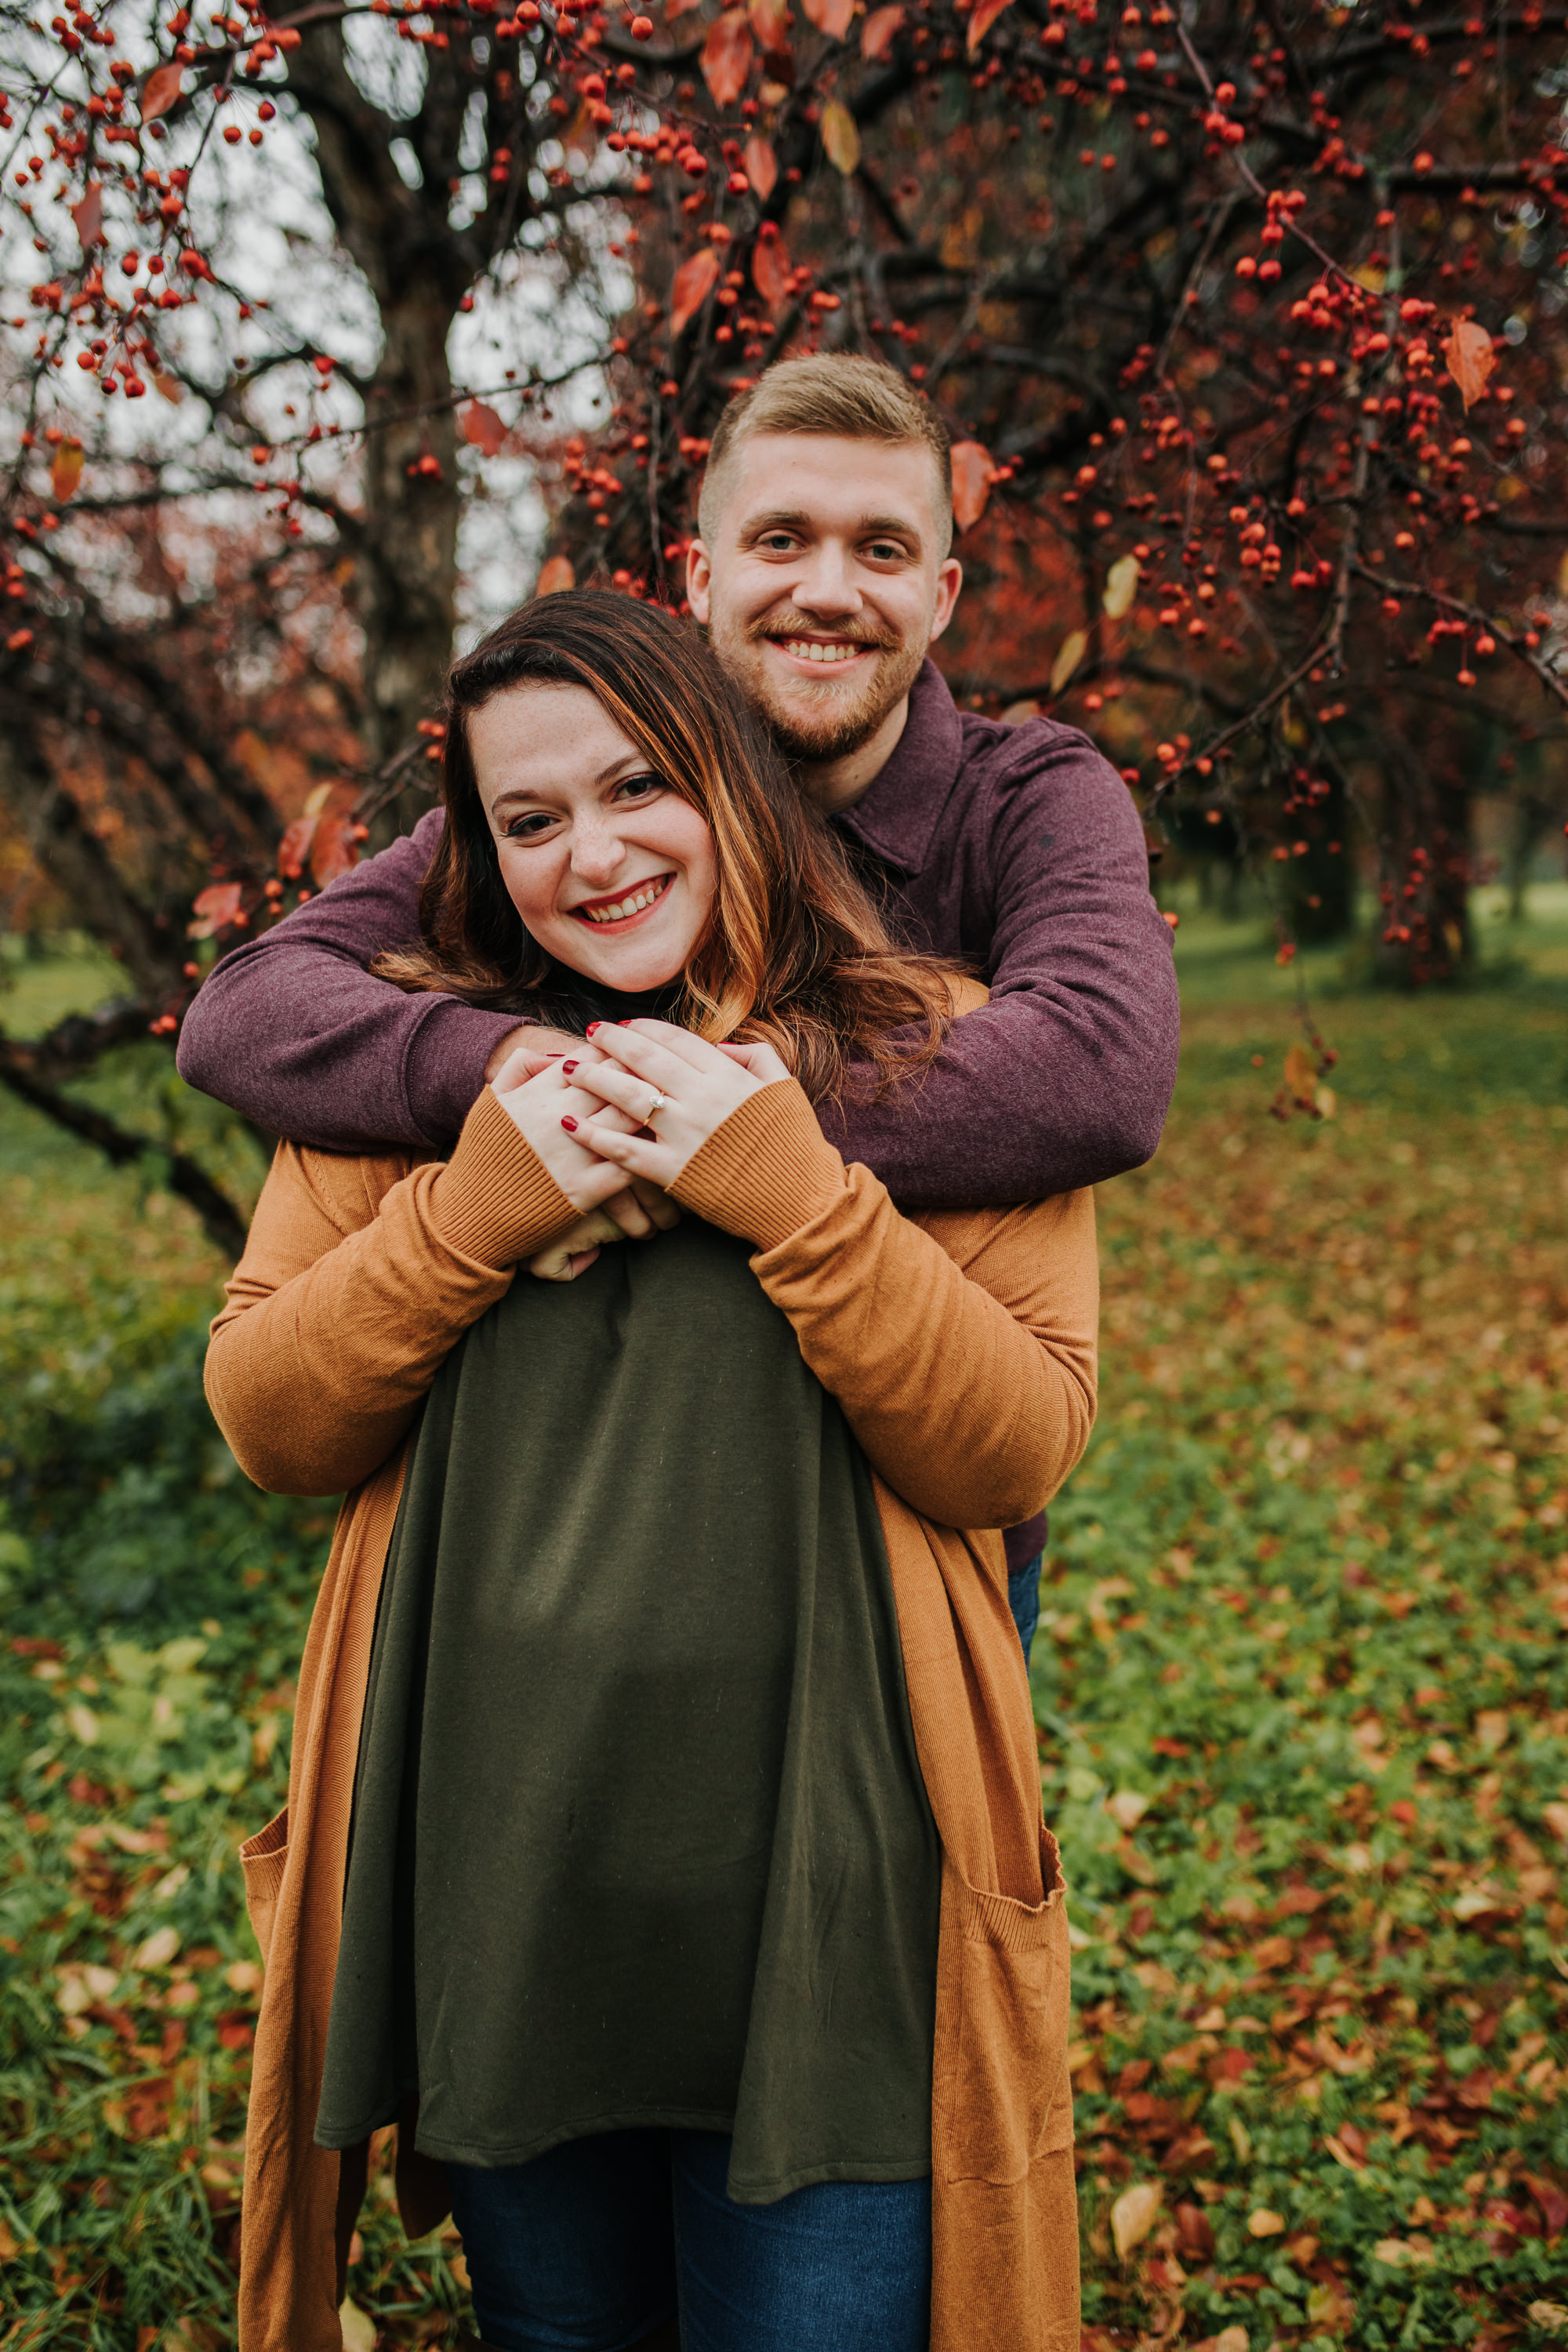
{"x":960,"y":1347}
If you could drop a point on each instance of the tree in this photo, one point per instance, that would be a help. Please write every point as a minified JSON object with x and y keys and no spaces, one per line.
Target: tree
{"x":1248,"y":318}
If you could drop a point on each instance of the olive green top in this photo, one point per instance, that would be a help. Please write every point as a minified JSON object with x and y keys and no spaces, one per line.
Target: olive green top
{"x":640,"y":1836}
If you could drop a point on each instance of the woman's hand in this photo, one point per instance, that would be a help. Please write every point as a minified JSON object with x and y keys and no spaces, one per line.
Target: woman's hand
{"x":659,"y":1094}
{"x":574,"y":1251}
{"x":537,"y":1095}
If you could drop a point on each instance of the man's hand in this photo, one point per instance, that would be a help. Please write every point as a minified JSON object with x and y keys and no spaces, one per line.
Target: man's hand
{"x":639,"y":1209}
{"x":543,"y":1044}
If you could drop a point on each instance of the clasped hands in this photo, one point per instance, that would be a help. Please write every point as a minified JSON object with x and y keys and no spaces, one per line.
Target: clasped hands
{"x":617,"y":1119}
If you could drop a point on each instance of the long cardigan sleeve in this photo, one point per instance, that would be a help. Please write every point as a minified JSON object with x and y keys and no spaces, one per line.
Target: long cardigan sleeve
{"x":358,"y":1280}
{"x":961,"y":1346}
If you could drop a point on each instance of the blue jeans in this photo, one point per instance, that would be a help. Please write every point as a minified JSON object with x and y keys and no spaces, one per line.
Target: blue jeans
{"x":1023,"y":1599}
{"x":594,"y":2244}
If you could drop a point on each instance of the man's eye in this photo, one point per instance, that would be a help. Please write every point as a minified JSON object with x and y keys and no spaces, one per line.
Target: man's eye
{"x":884,"y":550}
{"x":778,"y":542}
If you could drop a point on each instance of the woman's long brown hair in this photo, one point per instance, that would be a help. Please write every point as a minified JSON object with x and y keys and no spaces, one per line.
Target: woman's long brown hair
{"x":796,"y":952}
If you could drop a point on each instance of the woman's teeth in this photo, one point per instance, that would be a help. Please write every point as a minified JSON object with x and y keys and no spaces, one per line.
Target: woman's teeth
{"x":807,"y":650}
{"x":620,"y":909}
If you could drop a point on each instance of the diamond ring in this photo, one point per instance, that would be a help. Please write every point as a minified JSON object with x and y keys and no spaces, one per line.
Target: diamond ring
{"x":660,"y":1102}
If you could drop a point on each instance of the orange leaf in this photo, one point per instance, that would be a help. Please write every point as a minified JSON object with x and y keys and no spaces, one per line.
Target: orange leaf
{"x":761,"y":167}
{"x":971,"y":482}
{"x":332,"y":851}
{"x":1470,"y":357}
{"x":215,"y":908}
{"x":841,"y":138}
{"x":985,"y":15}
{"x":556,"y":576}
{"x":727,"y":56}
{"x":160,"y":90}
{"x":483,"y":428}
{"x":88,"y":216}
{"x":833,"y":16}
{"x":295,"y":847}
{"x":770,"y":272}
{"x":694,"y":281}
{"x":878,"y":32}
{"x":65,"y":471}
{"x":674,"y":8}
{"x":770,"y":21}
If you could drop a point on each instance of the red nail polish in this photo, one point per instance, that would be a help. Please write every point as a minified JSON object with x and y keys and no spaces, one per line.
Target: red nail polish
{"x":568,"y":1066}
{"x":592,"y":1026}
{"x":570,"y":1123}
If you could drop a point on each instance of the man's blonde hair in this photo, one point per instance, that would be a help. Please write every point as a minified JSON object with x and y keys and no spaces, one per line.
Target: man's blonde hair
{"x":835,"y":393}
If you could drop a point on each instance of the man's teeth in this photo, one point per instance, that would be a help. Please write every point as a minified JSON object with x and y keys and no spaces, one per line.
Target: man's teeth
{"x":807,"y":650}
{"x":621,"y":908}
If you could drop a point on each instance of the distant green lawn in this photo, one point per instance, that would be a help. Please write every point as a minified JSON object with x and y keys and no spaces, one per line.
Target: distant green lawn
{"x":1300,"y":1679}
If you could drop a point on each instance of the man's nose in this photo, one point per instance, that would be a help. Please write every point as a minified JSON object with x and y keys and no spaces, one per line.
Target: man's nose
{"x":824,"y":584}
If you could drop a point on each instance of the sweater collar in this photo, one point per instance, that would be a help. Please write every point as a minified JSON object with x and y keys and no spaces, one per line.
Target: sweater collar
{"x":897,"y":815}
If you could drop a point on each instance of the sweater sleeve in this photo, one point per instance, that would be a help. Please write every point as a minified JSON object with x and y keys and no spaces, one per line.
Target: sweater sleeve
{"x":294,"y":1032}
{"x":962,"y":1347}
{"x":1064,"y":1078}
{"x":356,"y":1283}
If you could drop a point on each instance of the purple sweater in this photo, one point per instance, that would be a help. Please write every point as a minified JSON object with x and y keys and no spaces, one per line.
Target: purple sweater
{"x":1017,"y":848}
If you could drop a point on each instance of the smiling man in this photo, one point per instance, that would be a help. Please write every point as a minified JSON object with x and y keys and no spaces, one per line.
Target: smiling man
{"x":823,"y":572}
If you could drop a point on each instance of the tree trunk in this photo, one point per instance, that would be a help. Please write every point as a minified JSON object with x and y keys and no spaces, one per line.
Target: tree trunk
{"x":405,"y":574}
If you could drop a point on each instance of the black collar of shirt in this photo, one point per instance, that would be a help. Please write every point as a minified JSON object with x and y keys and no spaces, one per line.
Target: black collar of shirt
{"x":897,"y":815}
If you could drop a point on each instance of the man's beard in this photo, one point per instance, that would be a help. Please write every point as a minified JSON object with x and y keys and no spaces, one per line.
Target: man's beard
{"x":841,"y":727}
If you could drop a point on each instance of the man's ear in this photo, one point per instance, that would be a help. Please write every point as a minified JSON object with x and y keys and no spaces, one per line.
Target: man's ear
{"x":949,"y":580}
{"x":698,"y":580}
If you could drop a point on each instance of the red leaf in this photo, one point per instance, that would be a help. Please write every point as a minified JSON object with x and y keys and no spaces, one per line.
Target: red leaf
{"x":215,"y":908}
{"x":770,"y":21}
{"x":332,"y":850}
{"x":160,"y":90}
{"x":556,"y":576}
{"x":878,"y":31}
{"x":985,"y":15}
{"x":761,"y":167}
{"x":727,"y":56}
{"x":674,"y":8}
{"x":971,"y":482}
{"x":1471,"y":359}
{"x":483,"y":428}
{"x":65,"y":471}
{"x":88,"y":216}
{"x":694,"y":281}
{"x":830,"y":16}
{"x":770,"y":272}
{"x":295,"y":847}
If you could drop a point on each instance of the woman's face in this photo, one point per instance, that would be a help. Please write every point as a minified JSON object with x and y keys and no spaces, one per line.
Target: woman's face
{"x":612,"y":871}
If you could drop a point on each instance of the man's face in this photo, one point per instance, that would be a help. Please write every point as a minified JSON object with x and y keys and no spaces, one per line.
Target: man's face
{"x":823,"y":585}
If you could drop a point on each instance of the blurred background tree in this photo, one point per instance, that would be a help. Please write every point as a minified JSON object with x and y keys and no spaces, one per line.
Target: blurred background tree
{"x":321,"y":333}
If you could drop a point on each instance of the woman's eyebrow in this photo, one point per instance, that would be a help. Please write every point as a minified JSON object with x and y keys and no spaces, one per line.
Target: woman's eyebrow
{"x":629,"y":763}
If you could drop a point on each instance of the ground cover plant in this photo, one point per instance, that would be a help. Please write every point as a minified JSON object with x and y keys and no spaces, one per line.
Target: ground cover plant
{"x":1301,"y":1687}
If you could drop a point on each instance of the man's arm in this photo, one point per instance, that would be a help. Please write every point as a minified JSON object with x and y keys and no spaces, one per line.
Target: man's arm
{"x":292,"y":1031}
{"x":1065,"y":1078}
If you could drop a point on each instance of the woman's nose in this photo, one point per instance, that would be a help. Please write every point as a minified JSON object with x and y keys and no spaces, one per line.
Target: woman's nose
{"x":597,"y":853}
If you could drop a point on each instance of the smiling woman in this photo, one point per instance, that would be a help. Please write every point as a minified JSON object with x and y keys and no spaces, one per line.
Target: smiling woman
{"x":665,"y":1854}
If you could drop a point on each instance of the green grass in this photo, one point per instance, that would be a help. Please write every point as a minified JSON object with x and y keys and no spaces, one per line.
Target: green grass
{"x":1300,"y":1682}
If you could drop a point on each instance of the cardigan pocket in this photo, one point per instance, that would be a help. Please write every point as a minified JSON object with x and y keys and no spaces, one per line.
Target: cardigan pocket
{"x":262,"y":1858}
{"x":1011,"y":2100}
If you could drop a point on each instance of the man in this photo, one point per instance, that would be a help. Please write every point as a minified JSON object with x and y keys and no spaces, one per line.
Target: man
{"x":823,"y":573}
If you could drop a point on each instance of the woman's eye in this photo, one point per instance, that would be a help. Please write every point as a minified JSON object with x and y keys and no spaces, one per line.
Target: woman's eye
{"x":528,"y":828}
{"x":639,"y":788}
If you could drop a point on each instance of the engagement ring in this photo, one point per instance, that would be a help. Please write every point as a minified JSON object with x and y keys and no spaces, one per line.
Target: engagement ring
{"x":660,"y":1102}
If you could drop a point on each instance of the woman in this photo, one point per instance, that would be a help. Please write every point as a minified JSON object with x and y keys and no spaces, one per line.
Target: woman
{"x":664,"y":1819}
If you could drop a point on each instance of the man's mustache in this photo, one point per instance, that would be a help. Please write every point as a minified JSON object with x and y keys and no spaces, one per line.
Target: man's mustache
{"x":775,"y":631}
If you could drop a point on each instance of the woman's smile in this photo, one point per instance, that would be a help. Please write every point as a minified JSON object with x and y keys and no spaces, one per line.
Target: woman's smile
{"x":620,"y":914}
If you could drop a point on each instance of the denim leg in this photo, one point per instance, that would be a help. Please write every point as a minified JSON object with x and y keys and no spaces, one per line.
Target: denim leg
{"x":574,"y":2252}
{"x":843,"y":2266}
{"x":1023,"y":1599}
